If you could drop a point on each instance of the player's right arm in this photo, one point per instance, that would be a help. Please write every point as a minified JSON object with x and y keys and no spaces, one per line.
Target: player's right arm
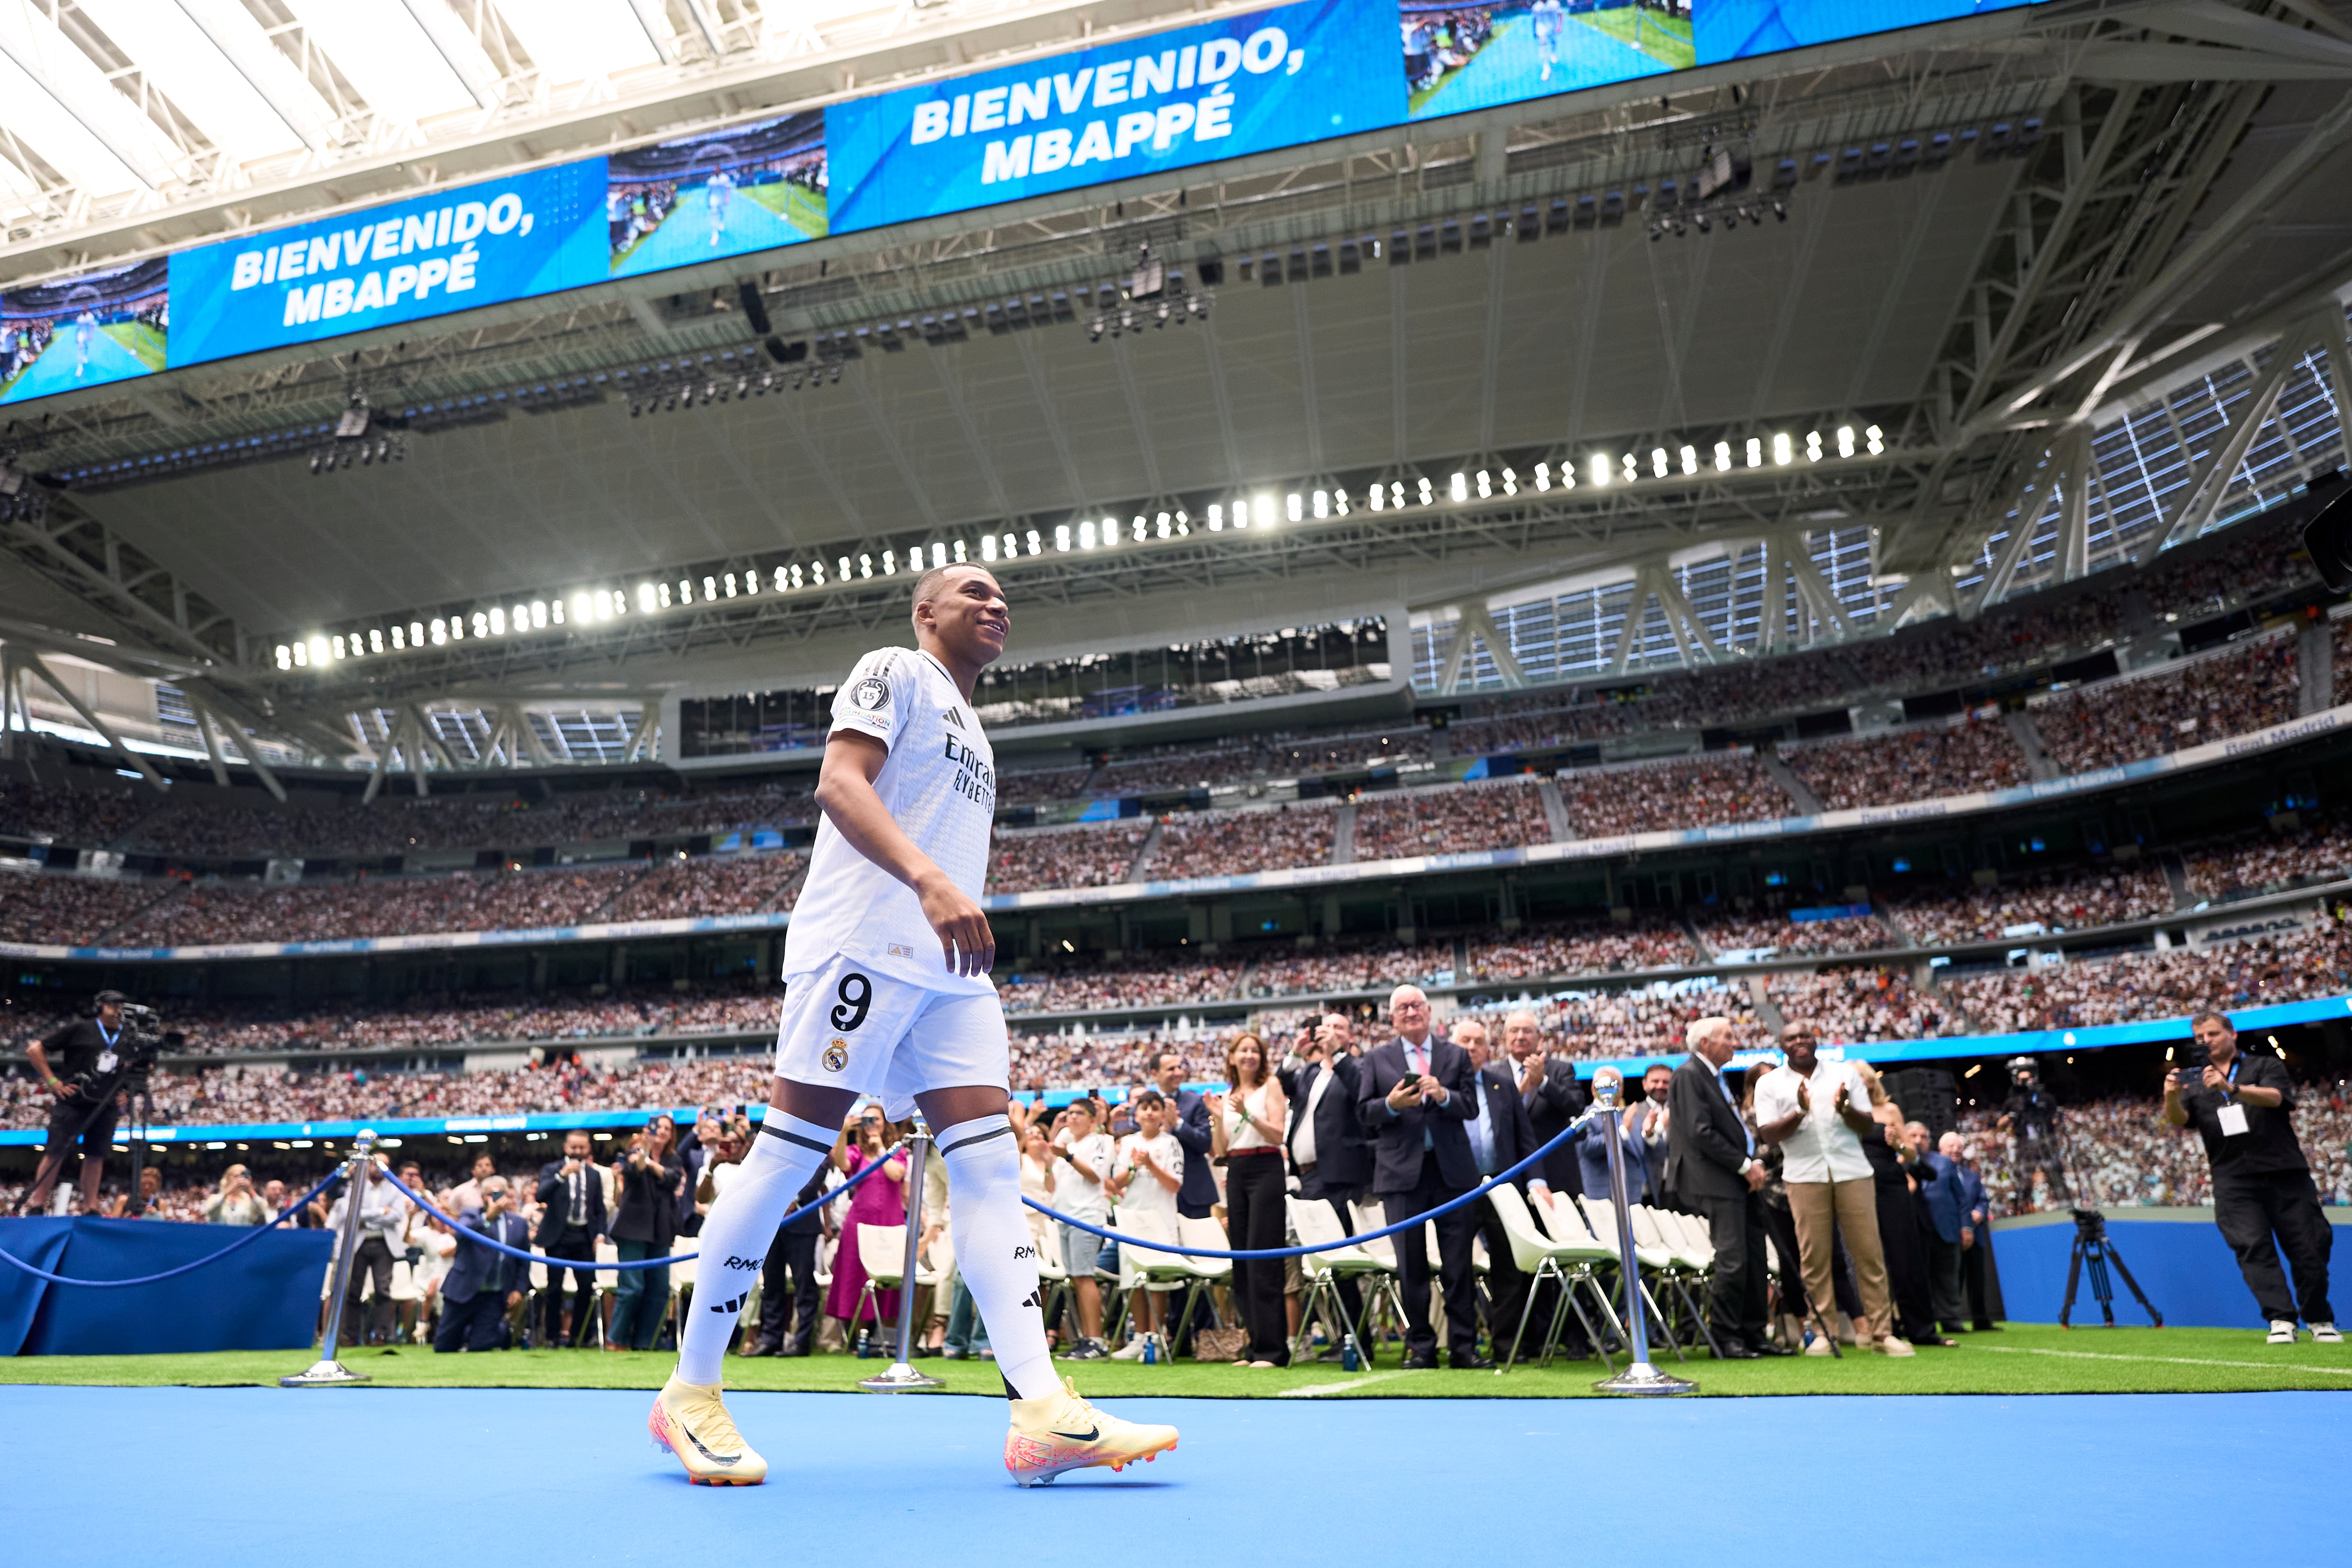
{"x":846,"y":794}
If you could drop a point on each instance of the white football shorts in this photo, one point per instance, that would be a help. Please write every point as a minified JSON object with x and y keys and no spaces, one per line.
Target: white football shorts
{"x":882,"y":1035}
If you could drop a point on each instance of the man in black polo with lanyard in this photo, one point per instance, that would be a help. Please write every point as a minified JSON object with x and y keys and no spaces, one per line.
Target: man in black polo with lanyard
{"x":82,"y":1080}
{"x":2241,"y":1105}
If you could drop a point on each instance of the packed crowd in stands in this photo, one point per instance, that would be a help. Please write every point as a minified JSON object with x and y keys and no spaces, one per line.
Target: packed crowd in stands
{"x":1919,"y":763}
{"x":711,"y":885}
{"x":396,"y":825}
{"x":1237,"y":843}
{"x":1645,"y":1021}
{"x":2124,"y":1152}
{"x":1175,"y":767}
{"x":1865,"y":1003}
{"x":1790,"y":938}
{"x":87,"y":818}
{"x":1646,"y":940}
{"x":2066,"y":900}
{"x":1089,"y":857}
{"x":433,"y":1019}
{"x":1288,"y":755}
{"x":212,"y":913}
{"x":2267,"y":861}
{"x":2115,"y":721}
{"x":45,"y":906}
{"x":1541,"y":719}
{"x":1041,"y":786}
{"x":1471,"y":816}
{"x":1703,"y":793}
{"x":1140,"y":980}
{"x":2289,"y":966}
{"x":1349,"y":963}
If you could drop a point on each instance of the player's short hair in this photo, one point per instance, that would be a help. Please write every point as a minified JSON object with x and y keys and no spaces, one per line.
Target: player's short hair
{"x":2215,"y":1014}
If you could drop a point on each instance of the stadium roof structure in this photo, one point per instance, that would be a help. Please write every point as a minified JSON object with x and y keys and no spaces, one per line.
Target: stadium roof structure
{"x":1935,"y":285}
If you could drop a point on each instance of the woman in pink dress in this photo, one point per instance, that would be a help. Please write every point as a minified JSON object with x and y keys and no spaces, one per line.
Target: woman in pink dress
{"x":881,"y":1201}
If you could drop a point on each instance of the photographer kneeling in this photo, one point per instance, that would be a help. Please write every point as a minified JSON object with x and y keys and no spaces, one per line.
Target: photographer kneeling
{"x":2261,"y":1184}
{"x":85,"y":1081}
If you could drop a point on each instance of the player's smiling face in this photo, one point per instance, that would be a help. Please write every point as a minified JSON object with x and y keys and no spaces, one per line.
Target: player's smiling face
{"x":969,"y":616}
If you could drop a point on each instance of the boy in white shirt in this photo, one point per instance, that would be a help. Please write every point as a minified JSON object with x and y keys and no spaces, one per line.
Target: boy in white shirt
{"x":1144,"y":1181}
{"x":1082,"y":1164}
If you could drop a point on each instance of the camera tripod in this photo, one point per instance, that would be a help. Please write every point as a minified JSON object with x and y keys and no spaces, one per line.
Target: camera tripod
{"x":2092,"y":1245}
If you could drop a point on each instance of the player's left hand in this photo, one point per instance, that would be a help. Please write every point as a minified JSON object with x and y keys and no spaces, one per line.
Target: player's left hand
{"x":966,"y":943}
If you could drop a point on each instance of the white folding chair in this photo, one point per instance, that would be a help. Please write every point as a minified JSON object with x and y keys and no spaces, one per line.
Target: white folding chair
{"x":882,"y":1248}
{"x":1315,"y":1222}
{"x":1568,"y":1264}
{"x":1650,"y":1261}
{"x":1656,"y":1227}
{"x":1566,"y":1223}
{"x":1144,"y":1268}
{"x":1204,"y":1232}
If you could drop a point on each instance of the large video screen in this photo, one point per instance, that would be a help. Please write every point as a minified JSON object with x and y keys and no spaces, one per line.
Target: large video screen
{"x":73,"y":333}
{"x":1261,"y":81}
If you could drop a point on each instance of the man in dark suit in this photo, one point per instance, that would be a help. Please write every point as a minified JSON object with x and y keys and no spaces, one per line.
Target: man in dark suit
{"x":1188,"y":1122}
{"x":1414,"y":1093}
{"x":482,"y":1284}
{"x":572,"y":1217}
{"x":1500,"y":1137}
{"x":1976,"y":1237}
{"x":790,"y":1304}
{"x":1711,"y":1168}
{"x":1325,"y":1140}
{"x":1552,"y":1095}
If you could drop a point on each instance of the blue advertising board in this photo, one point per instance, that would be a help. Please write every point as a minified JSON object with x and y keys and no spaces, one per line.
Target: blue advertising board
{"x":1257,"y":82}
{"x":534,"y":233}
{"x":1246,"y":84}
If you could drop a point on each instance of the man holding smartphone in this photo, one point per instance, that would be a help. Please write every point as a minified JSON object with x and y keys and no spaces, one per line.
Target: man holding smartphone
{"x":2241,"y":1106}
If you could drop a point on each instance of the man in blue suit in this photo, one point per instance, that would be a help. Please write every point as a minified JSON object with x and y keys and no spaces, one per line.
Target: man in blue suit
{"x":1188,"y":1110}
{"x":1975,"y":1231}
{"x":1417,"y":1090}
{"x":482,"y":1284}
{"x":1944,"y":1196}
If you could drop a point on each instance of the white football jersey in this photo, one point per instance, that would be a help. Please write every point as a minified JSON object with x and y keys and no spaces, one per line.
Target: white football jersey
{"x":938,"y":784}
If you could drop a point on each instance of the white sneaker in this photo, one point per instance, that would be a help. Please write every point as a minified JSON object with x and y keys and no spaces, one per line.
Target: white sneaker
{"x":1894,"y":1345}
{"x":2282,"y":1331}
{"x":1819,"y":1345}
{"x":1131,"y":1351}
{"x":2326,"y":1335}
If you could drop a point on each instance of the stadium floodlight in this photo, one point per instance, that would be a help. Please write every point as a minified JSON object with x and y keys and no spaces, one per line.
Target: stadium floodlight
{"x":1600,"y":470}
{"x":1241,"y":514}
{"x":988,"y":547}
{"x":1216,"y":517}
{"x":1658,"y":462}
{"x":1690,"y":459}
{"x":1428,"y":492}
{"x":1633,"y":471}
{"x":1755,"y":453}
{"x":1322,"y":503}
{"x":1376,"y":497}
{"x":1877,"y":439}
{"x":1723,"y":457}
{"x":1543,"y":476}
{"x":1782,"y":452}
{"x":1264,"y":512}
{"x":1294,"y":507}
{"x":1845,"y":440}
{"x":1458,"y":488}
{"x":285,"y":656}
{"x":1086,"y":535}
{"x":1812,"y":445}
{"x":1061,"y":536}
{"x":375,"y":639}
{"x":1036,"y":543}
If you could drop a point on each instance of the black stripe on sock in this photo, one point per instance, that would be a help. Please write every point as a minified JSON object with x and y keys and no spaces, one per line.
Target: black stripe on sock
{"x":1010,"y":1392}
{"x":772,"y":1131}
{"x":1003,"y":1132}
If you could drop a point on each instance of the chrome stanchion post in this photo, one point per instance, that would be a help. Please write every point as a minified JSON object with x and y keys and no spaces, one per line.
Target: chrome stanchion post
{"x":1641,"y":1377}
{"x":328,"y":1371}
{"x":902,"y":1377}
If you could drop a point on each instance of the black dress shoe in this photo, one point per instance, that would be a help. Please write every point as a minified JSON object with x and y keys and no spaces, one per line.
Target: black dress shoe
{"x":1471,"y":1361}
{"x":1766,"y":1347}
{"x":1733,"y":1350}
{"x":1421,"y":1364}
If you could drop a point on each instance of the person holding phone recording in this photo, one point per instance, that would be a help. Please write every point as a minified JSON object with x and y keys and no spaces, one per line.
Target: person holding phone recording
{"x":2241,"y":1105}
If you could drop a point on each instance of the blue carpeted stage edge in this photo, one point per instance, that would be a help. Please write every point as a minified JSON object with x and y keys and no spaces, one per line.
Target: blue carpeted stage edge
{"x":2177,"y":1255}
{"x":269,"y":1475}
{"x":263,"y":1297}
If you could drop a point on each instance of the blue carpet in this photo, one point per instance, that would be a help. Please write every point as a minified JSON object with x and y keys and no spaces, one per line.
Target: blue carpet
{"x":1510,"y":68}
{"x":684,"y":236}
{"x":60,"y":367}
{"x":269,"y":1475}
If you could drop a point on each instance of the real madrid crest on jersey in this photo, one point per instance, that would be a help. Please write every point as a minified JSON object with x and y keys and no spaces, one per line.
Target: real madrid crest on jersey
{"x":872,"y":694}
{"x":836,"y":1055}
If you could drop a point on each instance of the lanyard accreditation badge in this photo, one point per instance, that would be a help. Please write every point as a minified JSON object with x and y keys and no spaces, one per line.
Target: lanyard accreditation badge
{"x":2232,"y":1117}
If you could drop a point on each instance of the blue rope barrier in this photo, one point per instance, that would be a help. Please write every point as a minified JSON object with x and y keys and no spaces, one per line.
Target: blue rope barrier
{"x":1270,"y":1253}
{"x":254,"y":1234}
{"x":458,"y":1227}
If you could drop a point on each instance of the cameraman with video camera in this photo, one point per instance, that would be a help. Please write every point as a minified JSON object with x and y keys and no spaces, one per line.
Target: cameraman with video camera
{"x":86,"y":1079}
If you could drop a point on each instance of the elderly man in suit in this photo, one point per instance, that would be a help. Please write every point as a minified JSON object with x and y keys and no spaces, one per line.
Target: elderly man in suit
{"x":1975,"y":1234}
{"x":1325,"y":1140}
{"x":1415,"y":1093}
{"x":1500,"y":1137}
{"x":1550,"y":1091}
{"x":1943,"y":1195}
{"x":482,"y":1285}
{"x":1711,"y":1167}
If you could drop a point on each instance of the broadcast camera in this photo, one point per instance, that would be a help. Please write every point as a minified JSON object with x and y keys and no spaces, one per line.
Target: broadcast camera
{"x":134,"y":1053}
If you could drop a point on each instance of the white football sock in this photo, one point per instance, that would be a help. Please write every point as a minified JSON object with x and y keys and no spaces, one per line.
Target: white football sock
{"x":738,"y":1232}
{"x":994,"y":1250}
